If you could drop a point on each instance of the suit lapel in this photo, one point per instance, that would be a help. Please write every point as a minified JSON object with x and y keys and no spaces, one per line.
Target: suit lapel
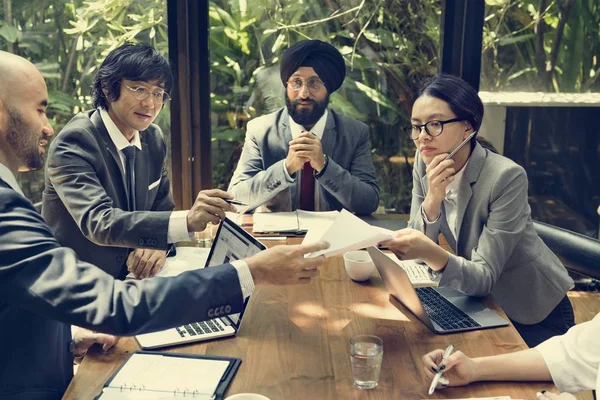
{"x":141,"y":177}
{"x":465,"y":191}
{"x":329,"y":138}
{"x":285,"y":132}
{"x":114,"y":166}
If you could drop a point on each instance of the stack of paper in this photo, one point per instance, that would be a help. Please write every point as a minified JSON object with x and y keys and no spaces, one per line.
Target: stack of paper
{"x":293,"y":221}
{"x":346,"y":233}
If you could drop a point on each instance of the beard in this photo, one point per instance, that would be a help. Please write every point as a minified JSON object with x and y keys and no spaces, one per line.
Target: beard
{"x":23,"y":141}
{"x":306,"y":116}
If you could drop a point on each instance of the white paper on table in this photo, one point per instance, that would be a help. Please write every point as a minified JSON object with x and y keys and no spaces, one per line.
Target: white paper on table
{"x":347,"y":233}
{"x":187,"y":259}
{"x":292,"y":221}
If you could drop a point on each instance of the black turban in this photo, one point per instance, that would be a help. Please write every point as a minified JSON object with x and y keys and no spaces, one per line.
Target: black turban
{"x":325,"y":59}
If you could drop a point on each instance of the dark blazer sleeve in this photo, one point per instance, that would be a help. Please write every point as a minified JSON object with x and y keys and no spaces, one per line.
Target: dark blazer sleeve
{"x":73,"y":161}
{"x":38,"y":275}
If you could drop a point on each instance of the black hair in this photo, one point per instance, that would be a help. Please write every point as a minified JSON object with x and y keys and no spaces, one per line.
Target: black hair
{"x":460,"y":96}
{"x":136,"y":62}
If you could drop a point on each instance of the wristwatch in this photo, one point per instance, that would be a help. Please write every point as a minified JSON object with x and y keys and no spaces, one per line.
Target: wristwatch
{"x":324,"y":167}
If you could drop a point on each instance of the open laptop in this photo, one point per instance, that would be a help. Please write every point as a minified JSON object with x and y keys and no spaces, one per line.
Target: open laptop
{"x":231,"y":243}
{"x":442,"y":309}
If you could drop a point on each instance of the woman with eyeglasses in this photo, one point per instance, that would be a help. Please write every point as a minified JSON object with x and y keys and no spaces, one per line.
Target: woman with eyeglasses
{"x":478,"y":201}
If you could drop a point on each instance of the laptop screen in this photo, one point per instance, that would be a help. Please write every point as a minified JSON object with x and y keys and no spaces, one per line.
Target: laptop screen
{"x":232,"y":243}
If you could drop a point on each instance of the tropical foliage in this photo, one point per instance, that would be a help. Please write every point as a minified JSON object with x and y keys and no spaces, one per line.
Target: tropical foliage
{"x":390,"y":47}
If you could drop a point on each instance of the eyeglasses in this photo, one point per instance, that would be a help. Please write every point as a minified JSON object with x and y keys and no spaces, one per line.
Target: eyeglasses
{"x":313,"y":84}
{"x":433,"y":128}
{"x":142,"y":93}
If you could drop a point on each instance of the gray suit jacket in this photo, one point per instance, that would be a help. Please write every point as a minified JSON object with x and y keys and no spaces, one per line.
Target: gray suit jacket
{"x":349,"y":180}
{"x":44,"y":288}
{"x":497,"y":249}
{"x":85,"y":196}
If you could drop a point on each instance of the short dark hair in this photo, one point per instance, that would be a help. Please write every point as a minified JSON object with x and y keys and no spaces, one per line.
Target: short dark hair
{"x":460,"y":96}
{"x":136,"y":62}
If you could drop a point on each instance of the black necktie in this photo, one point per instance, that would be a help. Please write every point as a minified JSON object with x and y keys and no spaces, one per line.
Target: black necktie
{"x":129,"y":153}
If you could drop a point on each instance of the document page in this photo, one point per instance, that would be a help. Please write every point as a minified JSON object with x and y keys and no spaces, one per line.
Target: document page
{"x":315,"y":219}
{"x":346,"y":233}
{"x":176,"y":376}
{"x":276,"y":222}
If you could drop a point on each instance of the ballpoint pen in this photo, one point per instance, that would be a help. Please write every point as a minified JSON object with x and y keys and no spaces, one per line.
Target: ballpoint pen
{"x":449,"y":156}
{"x":437,"y":376}
{"x":236,"y":203}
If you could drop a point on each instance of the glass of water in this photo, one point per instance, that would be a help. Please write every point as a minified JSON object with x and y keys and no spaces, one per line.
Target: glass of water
{"x":366,"y":353}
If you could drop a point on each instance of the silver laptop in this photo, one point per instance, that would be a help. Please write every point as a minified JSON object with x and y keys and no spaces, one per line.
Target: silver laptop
{"x":442,"y":309}
{"x":231,"y":243}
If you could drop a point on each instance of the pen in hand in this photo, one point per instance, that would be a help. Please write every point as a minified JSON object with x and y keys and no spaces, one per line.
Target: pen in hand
{"x":437,"y":376}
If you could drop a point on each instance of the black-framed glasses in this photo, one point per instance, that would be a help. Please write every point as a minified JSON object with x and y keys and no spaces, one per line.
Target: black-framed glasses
{"x":313,"y":84}
{"x":433,"y":128}
{"x":142,"y":93}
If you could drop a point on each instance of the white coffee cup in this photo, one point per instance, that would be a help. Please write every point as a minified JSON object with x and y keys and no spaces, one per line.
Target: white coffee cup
{"x":359,"y":265}
{"x":247,"y":396}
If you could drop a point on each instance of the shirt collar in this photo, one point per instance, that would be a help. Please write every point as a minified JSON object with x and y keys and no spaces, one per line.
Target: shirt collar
{"x":453,"y":186}
{"x":115,"y":133}
{"x":7,"y":176}
{"x":316,"y":130}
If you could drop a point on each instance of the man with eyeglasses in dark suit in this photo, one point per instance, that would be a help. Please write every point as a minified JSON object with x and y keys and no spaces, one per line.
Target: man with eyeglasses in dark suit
{"x":306,"y":155}
{"x":107,"y":194}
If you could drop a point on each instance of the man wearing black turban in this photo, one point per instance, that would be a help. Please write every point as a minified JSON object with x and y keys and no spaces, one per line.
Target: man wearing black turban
{"x":307,"y":156}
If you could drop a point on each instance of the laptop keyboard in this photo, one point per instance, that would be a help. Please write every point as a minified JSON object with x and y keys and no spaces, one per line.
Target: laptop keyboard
{"x":443,"y":312}
{"x":200,"y":328}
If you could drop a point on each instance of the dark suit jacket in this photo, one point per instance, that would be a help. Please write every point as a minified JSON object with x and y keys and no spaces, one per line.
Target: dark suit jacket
{"x":85,"y":196}
{"x":349,"y":180}
{"x":44,"y":288}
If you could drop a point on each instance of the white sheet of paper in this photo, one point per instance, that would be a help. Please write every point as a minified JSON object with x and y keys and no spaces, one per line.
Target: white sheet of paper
{"x":347,"y":233}
{"x":276,"y":222}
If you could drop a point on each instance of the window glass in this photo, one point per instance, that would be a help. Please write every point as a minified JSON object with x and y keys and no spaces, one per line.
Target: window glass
{"x":389,"y":48}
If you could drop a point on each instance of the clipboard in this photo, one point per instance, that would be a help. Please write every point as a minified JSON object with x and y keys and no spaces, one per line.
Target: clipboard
{"x":115,"y":389}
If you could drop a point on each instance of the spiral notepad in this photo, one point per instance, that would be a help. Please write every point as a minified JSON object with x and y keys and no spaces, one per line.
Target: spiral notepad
{"x":155,"y":375}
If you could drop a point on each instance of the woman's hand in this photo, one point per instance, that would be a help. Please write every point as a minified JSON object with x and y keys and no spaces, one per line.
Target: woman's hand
{"x":409,"y":244}
{"x":440,"y":173}
{"x":458,"y":369}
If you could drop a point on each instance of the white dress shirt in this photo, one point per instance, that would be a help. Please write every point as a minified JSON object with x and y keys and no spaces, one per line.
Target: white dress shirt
{"x":573,"y":359}
{"x":316,"y":130}
{"x":7,"y":176}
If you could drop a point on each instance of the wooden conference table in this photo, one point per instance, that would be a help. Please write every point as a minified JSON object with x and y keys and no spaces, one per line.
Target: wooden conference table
{"x":294,"y":344}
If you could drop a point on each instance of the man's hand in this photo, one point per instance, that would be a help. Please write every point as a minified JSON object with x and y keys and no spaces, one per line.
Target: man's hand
{"x":285,"y":265}
{"x":210,"y":206}
{"x":146,"y":263}
{"x":308,"y":147}
{"x":83,"y":339}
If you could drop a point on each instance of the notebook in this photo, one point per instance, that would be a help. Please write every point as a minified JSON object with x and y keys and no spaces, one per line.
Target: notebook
{"x":231,"y":243}
{"x":291,"y":221}
{"x":443,"y":309}
{"x":154,"y":375}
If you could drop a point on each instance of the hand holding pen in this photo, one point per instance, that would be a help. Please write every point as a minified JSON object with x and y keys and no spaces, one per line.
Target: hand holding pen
{"x":457,"y":368}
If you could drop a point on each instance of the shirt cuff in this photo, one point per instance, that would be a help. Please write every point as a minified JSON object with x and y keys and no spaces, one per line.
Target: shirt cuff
{"x":287,"y":175}
{"x":178,"y":231}
{"x":245,"y":277}
{"x":427,"y":221}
